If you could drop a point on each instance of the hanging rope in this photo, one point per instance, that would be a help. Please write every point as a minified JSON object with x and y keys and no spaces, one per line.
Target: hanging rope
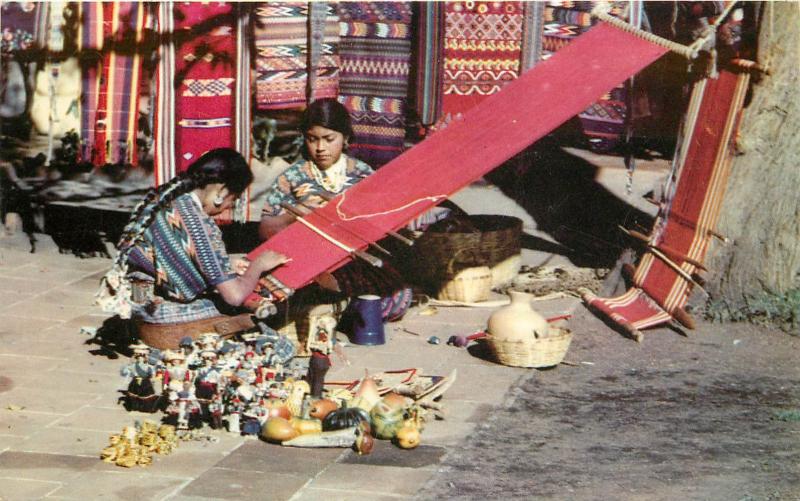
{"x":689,"y":52}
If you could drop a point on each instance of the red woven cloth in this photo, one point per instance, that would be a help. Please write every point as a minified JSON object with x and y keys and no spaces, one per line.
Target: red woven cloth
{"x":488,"y":134}
{"x":684,"y":226}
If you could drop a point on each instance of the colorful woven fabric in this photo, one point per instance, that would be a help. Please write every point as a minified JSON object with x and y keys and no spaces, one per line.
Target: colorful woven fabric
{"x":684,"y":225}
{"x":604,"y":121}
{"x":298,"y":184}
{"x":111,"y":100}
{"x":375,"y":54}
{"x":525,"y":110}
{"x":282,"y":55}
{"x":199,"y":76}
{"x":21,"y":28}
{"x":429,"y":62}
{"x":183,"y":253}
{"x":483,"y":42}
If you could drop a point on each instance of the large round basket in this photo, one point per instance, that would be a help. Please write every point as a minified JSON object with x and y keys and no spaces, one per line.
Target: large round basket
{"x":492,"y":240}
{"x":539,"y":353}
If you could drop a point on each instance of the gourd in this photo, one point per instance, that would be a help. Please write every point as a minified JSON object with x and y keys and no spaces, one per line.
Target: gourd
{"x":321,"y":408}
{"x":277,"y":430}
{"x":386,"y":420}
{"x":408,"y":435}
{"x":346,"y":417}
{"x":304,"y":424}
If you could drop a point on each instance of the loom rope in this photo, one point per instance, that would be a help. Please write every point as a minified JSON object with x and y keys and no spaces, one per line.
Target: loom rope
{"x":689,"y":52}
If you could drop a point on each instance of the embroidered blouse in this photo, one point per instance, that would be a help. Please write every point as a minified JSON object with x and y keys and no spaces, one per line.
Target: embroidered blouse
{"x":302,"y":180}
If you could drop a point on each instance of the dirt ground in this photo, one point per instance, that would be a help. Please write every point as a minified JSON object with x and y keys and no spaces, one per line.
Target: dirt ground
{"x":712,"y":414}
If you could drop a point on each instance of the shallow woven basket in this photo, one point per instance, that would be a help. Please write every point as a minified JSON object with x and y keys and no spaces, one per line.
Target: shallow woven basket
{"x":470,"y":285}
{"x":542,"y":352}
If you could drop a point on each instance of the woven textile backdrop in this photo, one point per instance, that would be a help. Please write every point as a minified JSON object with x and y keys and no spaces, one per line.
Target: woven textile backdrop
{"x":482,"y":50}
{"x":375,"y":52}
{"x":282,"y":54}
{"x":203,"y":84}
{"x":111,"y":87}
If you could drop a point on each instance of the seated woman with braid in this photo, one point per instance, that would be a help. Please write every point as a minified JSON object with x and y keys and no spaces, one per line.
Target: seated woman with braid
{"x":326,"y":171}
{"x":172,"y":251}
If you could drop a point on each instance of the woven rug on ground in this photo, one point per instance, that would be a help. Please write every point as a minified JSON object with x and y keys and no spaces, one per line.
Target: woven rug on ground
{"x":459,"y":154}
{"x":282,"y":54}
{"x":483,"y":47}
{"x":199,"y":88}
{"x":375,"y":52}
{"x":110,"y":97}
{"x":663,"y":279}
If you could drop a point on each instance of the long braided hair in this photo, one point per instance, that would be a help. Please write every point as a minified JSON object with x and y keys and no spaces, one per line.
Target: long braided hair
{"x":222,"y":165}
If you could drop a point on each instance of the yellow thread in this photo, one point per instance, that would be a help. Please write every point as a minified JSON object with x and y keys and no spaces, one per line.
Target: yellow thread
{"x":344,"y":217}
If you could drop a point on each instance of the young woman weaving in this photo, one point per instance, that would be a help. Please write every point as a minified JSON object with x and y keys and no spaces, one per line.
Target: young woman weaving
{"x":172,"y":253}
{"x":326,"y":170}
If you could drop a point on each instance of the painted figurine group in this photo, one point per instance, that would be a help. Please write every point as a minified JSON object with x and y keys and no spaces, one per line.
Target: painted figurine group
{"x":227,"y":384}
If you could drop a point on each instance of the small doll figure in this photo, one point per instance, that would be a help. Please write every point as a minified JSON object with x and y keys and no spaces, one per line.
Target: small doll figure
{"x":209,"y":341}
{"x":208,"y":376}
{"x":234,"y":408}
{"x":215,"y":411}
{"x":140,"y":395}
{"x":175,"y":373}
{"x":186,"y":346}
{"x":184,"y":411}
{"x":320,"y":344}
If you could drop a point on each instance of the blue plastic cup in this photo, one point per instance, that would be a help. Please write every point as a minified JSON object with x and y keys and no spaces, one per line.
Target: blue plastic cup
{"x":369,"y":321}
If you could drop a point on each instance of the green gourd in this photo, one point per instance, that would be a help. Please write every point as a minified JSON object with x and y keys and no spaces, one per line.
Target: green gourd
{"x":386,"y":420}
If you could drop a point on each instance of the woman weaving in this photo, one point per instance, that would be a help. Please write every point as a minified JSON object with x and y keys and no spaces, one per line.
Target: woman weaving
{"x":325,"y":171}
{"x":172,"y":253}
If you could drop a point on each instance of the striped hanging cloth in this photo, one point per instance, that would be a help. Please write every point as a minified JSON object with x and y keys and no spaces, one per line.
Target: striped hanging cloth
{"x":111,"y":34}
{"x":375,"y":54}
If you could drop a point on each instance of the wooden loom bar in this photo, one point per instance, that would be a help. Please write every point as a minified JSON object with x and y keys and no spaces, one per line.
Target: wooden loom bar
{"x":374,"y":261}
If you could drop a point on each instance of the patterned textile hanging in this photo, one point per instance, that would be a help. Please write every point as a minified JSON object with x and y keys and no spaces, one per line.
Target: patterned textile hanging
{"x":202,"y":87}
{"x":604,"y":121}
{"x":22,"y":28}
{"x":282,"y":53}
{"x":375,"y":56}
{"x":110,"y":97}
{"x":482,"y":51}
{"x":429,"y":63}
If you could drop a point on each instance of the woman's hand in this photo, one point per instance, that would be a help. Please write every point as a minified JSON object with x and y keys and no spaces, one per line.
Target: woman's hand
{"x":239,"y":264}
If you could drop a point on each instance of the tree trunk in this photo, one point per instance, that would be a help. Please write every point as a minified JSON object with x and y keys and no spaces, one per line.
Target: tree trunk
{"x":761,"y":210}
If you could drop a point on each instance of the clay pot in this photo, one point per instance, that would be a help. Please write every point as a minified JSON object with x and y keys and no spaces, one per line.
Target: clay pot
{"x":517,"y":321}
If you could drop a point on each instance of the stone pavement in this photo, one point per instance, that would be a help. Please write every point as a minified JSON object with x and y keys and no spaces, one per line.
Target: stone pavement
{"x":58,"y":402}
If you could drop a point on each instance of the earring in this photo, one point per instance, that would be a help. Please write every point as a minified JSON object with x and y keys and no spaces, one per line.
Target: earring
{"x":218,"y":201}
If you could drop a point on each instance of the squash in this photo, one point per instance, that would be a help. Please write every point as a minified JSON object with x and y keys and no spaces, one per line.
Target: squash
{"x":277,"y":430}
{"x":304,"y":426}
{"x":364,"y":441}
{"x":321,"y":408}
{"x":408,"y":437}
{"x":386,"y":420}
{"x":346,"y":417}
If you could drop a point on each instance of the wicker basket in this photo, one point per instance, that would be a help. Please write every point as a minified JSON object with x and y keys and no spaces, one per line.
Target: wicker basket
{"x":493,"y":239}
{"x":168,"y":336}
{"x":470,"y":285}
{"x":535,"y":352}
